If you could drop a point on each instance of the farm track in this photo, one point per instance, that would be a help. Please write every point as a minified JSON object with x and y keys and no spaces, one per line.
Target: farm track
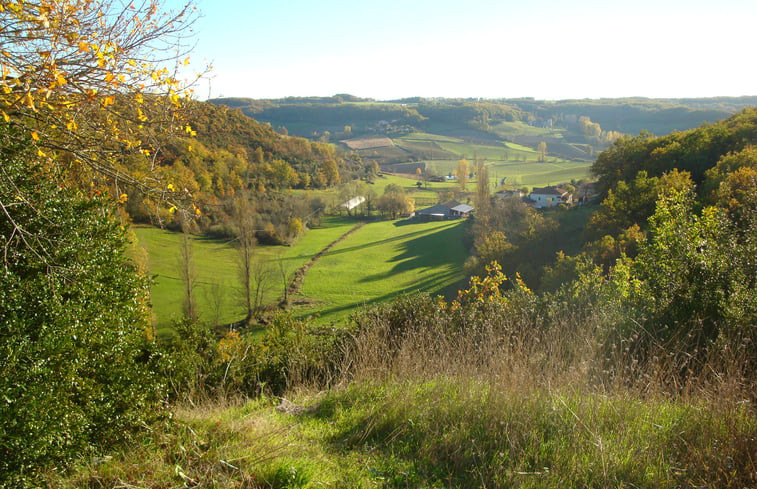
{"x":299,"y":275}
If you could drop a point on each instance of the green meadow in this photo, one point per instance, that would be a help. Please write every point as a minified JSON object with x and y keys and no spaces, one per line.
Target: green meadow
{"x":376,"y":263}
{"x":536,"y":174}
{"x":518,"y":164}
{"x":218,"y":293}
{"x":381,"y":260}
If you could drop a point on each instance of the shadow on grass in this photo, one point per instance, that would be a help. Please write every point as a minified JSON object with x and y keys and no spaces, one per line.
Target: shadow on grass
{"x":430,"y":251}
{"x":436,"y":285}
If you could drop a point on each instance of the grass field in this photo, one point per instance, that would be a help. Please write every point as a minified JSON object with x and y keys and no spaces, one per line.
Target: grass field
{"x":513,"y":129}
{"x":381,"y":260}
{"x":517,"y":163}
{"x":537,"y":174}
{"x":217,"y":293}
{"x":374,"y":264}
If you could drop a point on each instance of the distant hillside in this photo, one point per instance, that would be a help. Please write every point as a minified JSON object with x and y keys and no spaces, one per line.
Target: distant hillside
{"x":632,"y":115}
{"x":312,"y":116}
{"x":572,"y":129}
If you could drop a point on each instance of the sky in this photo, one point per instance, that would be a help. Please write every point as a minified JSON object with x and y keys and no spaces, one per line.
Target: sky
{"x":546,"y":49}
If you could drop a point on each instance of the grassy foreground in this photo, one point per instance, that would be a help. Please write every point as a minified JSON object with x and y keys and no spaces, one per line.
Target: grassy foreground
{"x":442,"y":432}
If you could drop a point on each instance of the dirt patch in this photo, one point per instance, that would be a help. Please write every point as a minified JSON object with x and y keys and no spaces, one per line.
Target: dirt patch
{"x":368,"y":143}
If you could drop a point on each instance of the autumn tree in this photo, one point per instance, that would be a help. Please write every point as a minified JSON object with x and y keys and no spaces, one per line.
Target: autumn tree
{"x":395,"y":201}
{"x":462,"y":171}
{"x":84,"y":87}
{"x":84,"y":79}
{"x":541,"y":150}
{"x":482,"y":186}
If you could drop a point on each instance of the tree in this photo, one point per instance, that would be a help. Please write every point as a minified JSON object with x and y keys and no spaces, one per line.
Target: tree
{"x":462,"y":172}
{"x":187,"y":272}
{"x":482,"y":186}
{"x":330,"y":172}
{"x":246,"y":243}
{"x":74,"y":352}
{"x":395,"y":201}
{"x":697,"y":279}
{"x":542,"y":150}
{"x":84,"y":78}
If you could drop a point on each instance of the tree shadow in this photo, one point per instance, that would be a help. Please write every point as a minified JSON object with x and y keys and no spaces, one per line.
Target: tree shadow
{"x":434,"y":285}
{"x":430,"y":251}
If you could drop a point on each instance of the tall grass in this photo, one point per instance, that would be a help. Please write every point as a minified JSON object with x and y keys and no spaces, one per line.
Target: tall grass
{"x":518,"y":392}
{"x":490,"y":390}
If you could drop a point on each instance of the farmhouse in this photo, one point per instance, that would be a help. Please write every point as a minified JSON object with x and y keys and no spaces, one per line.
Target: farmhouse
{"x":447,"y":210}
{"x":549,"y":197}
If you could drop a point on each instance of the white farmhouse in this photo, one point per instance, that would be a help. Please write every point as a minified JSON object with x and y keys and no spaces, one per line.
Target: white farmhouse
{"x":549,"y":197}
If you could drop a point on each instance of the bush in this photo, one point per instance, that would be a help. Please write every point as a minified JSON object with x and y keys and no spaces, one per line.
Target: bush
{"x":75,"y":362}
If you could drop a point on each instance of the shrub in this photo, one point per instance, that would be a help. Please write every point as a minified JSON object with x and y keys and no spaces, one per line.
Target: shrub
{"x":74,"y":357}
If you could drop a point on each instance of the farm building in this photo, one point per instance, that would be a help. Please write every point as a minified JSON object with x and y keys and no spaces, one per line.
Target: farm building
{"x":447,"y":210}
{"x":549,"y":197}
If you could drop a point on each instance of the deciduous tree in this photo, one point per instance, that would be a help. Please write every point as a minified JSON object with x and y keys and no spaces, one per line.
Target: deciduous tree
{"x":461,"y":172}
{"x":94,"y":80}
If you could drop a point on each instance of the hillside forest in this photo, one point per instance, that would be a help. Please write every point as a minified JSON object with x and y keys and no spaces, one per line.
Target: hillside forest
{"x":608,"y":341}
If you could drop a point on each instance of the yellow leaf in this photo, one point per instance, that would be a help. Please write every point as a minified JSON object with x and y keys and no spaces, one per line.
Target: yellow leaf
{"x":35,"y":136}
{"x":109,"y":100}
{"x":41,"y":153}
{"x":198,"y":212}
{"x":6,"y":117}
{"x":30,"y":102}
{"x":186,"y":61}
{"x":123,"y":198}
{"x":171,"y":187}
{"x":84,"y":47}
{"x":61,"y":81}
{"x":172,"y":209}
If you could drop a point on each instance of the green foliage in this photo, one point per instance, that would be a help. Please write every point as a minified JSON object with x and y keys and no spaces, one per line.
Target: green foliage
{"x":289,"y":352}
{"x":633,"y":202}
{"x":696,"y":279}
{"x":77,"y":369}
{"x":694,"y":151}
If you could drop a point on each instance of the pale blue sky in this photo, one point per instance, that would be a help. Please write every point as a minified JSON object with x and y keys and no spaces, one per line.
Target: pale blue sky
{"x":547,"y":49}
